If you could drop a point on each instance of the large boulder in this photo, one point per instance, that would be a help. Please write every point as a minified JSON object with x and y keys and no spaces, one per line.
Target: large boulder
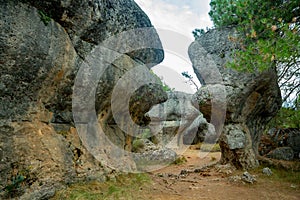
{"x":282,"y":153}
{"x":178,"y":118}
{"x":281,"y":137}
{"x":43,"y":45}
{"x":238,"y":104}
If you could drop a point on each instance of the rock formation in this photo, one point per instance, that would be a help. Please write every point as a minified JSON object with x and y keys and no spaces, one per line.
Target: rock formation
{"x":43,"y":44}
{"x":180,"y":121}
{"x":238,"y":104}
{"x":279,"y":143}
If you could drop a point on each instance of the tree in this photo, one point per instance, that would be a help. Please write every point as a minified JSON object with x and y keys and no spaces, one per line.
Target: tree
{"x":268,"y":36}
{"x":190,"y":79}
{"x":198,"y":32}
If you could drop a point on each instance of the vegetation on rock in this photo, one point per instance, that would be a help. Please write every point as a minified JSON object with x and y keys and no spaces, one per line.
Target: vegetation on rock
{"x":268,"y":36}
{"x":190,"y":80}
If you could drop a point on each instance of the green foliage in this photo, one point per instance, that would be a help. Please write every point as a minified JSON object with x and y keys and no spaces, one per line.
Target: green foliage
{"x":146,"y":134}
{"x":186,"y":75}
{"x":279,"y":174}
{"x":268,"y":30}
{"x":137,"y":145}
{"x":190,"y":79}
{"x":268,"y":36}
{"x":44,"y":17}
{"x":180,"y":160}
{"x":206,"y":147}
{"x":165,"y":87}
{"x":14,"y":185}
{"x":287,"y":176}
{"x":198,"y":32}
{"x":286,"y":118}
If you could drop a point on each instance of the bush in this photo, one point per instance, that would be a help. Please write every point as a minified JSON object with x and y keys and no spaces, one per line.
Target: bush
{"x":138,"y":145}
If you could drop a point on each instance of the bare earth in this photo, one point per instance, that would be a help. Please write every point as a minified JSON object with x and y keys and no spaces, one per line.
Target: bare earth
{"x":212,"y":183}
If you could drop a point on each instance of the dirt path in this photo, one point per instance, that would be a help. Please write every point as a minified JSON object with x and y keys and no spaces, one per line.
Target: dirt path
{"x":189,"y":181}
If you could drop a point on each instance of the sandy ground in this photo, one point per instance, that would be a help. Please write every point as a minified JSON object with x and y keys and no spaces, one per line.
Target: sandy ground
{"x":189,"y":181}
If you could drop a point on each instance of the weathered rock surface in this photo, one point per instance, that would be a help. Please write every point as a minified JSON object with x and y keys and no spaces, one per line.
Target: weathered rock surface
{"x":248,"y":178}
{"x":152,"y":155}
{"x":177,"y":117}
{"x":267,"y":171}
{"x":242,"y":102}
{"x":282,"y":153}
{"x":42,"y":46}
{"x":285,"y":137}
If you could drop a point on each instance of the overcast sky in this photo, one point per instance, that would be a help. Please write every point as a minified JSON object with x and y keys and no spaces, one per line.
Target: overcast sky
{"x":181,"y":17}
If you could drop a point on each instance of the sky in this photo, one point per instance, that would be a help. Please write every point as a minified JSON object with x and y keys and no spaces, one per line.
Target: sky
{"x":174,"y":21}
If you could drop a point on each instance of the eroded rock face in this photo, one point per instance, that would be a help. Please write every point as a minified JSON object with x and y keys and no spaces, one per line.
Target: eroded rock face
{"x":42,"y":46}
{"x":179,"y":118}
{"x":282,"y":153}
{"x":250,"y":100}
{"x":278,"y":138}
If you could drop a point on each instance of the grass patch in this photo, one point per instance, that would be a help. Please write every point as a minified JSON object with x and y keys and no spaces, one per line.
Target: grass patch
{"x":206,"y":147}
{"x":124,"y":187}
{"x":280,"y":175}
{"x":180,"y":160}
{"x":44,"y":17}
{"x":137,"y":145}
{"x":287,"y":176}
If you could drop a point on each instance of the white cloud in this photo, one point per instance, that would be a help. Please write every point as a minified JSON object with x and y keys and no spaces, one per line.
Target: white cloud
{"x":181,"y":17}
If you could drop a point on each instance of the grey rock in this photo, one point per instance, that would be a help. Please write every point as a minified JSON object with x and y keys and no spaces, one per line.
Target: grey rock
{"x":42,"y":46}
{"x":98,"y":21}
{"x":178,"y":117}
{"x":227,"y":98}
{"x":177,"y":106}
{"x":293,"y":141}
{"x":154,"y":159}
{"x":267,"y":171}
{"x":225,"y":169}
{"x":248,"y":178}
{"x":235,"y":178}
{"x":236,"y":138}
{"x":282,"y":153}
{"x":282,"y":137}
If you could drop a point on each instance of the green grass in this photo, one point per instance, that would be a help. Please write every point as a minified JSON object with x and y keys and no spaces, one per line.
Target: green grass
{"x":287,"y":176}
{"x":124,"y":187}
{"x":280,"y":175}
{"x":44,"y":17}
{"x":137,"y":145}
{"x":206,"y":147}
{"x":180,"y":160}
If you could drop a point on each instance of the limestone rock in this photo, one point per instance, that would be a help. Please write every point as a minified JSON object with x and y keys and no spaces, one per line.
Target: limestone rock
{"x":289,"y":137}
{"x":154,"y":159}
{"x":267,"y":171}
{"x":235,"y":137}
{"x":282,"y":153}
{"x":42,"y":47}
{"x":99,"y":20}
{"x":177,"y":117}
{"x":248,"y":178}
{"x":242,"y":103}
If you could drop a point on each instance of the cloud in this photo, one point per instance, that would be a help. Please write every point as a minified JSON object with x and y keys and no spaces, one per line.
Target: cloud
{"x":178,"y":16}
{"x":181,"y":16}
